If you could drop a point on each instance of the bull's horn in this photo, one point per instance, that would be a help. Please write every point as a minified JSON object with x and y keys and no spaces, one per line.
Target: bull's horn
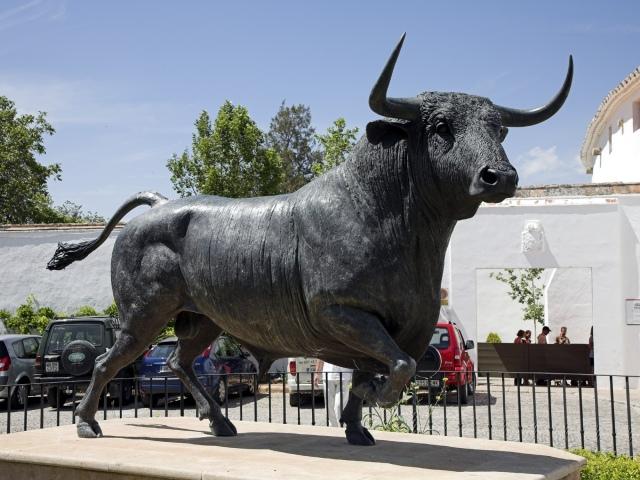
{"x":404,"y":108}
{"x":512,"y":117}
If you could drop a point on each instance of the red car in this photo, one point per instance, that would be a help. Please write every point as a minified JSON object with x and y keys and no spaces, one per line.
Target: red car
{"x":454,"y":363}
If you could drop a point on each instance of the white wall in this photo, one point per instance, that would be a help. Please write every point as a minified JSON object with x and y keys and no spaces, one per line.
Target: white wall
{"x":568,"y":297}
{"x":623,"y":163}
{"x":24,"y":256}
{"x":598,"y":234}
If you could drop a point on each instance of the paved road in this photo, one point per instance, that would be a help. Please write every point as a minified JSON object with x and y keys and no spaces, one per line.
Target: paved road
{"x":494,"y":415}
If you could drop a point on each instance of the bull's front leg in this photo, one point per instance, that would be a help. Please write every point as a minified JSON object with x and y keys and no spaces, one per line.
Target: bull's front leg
{"x":356,"y":433}
{"x":364,"y":332}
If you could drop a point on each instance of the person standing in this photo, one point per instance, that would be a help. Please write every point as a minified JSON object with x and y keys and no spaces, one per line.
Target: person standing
{"x":562,"y":339}
{"x":542,"y":338}
{"x":519,"y":337}
{"x":527,"y":336}
{"x":336,"y":390}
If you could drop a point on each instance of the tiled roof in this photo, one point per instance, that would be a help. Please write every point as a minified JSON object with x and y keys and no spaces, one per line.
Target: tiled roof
{"x":585,"y":152}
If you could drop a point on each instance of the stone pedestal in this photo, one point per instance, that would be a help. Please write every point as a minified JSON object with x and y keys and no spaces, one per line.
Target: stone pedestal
{"x":182,"y":448}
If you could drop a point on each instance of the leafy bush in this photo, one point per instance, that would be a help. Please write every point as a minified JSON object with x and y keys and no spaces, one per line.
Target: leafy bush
{"x":608,"y":466}
{"x":111,"y":310}
{"x":85,"y":311}
{"x":28,"y":317}
{"x":493,"y":338}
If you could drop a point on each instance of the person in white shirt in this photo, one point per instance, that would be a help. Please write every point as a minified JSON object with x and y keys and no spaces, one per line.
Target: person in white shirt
{"x":334,"y":402}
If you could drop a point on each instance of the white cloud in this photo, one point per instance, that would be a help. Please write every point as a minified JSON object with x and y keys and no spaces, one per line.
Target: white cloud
{"x":538,"y":160}
{"x":30,"y":12}
{"x":84,"y":103}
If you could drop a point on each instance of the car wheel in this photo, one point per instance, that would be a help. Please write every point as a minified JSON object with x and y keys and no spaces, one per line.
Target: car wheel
{"x":463,"y":392}
{"x":471,"y":386}
{"x":127,"y":393}
{"x":151,"y":400}
{"x":20,"y":395}
{"x":294,"y":399}
{"x":221,"y":393}
{"x":251,"y":387}
{"x":55,"y":397}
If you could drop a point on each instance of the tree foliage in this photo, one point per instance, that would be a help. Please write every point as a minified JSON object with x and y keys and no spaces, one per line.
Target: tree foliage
{"x":523,"y":289}
{"x":292,"y":137}
{"x":24,"y":197}
{"x":28,"y":318}
{"x":336,"y":144}
{"x":70,"y":212}
{"x":228,"y":158}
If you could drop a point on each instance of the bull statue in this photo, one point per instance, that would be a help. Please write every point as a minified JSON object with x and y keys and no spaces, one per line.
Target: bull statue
{"x":346,"y":269}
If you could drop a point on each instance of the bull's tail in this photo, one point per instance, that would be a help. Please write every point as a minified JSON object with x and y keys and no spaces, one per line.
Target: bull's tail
{"x":67,"y":253}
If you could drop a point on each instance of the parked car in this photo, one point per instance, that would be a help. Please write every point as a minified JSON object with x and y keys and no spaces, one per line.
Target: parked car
{"x":456,"y":363}
{"x":17,"y":359}
{"x":67,"y":354}
{"x":299,"y":381}
{"x":224,"y":358}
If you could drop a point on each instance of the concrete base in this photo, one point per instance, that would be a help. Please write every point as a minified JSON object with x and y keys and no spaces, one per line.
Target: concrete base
{"x":183,"y":448}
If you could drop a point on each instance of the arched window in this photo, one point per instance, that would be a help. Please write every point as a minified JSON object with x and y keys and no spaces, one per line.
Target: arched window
{"x":636,"y":115}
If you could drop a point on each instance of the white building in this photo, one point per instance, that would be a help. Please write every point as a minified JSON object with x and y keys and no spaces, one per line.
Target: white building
{"x":611,"y":149}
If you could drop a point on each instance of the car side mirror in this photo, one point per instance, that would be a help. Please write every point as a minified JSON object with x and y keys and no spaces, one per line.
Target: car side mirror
{"x":469,"y":345}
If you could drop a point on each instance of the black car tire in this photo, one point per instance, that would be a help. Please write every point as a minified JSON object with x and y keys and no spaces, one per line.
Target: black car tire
{"x":294,"y":399}
{"x":149,"y":400}
{"x":471,"y":387}
{"x":78,"y":358}
{"x":20,"y":395}
{"x":55,"y":397}
{"x":463,"y":392}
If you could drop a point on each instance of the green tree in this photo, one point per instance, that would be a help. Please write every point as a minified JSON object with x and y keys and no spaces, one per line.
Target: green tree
{"x":523,"y":289}
{"x":337,"y":143}
{"x":228,"y":158}
{"x":70,"y":212}
{"x":29,"y":317}
{"x":24,"y":197}
{"x":293,"y":139}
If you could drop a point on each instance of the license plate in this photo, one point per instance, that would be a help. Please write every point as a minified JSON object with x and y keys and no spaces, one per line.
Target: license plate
{"x":428,"y":383}
{"x":52,"y":367}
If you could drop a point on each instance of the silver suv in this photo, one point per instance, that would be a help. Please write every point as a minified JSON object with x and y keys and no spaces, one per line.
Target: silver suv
{"x":17,"y":358}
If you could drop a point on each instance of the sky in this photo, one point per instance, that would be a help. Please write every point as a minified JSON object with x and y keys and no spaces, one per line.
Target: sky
{"x":122,"y":82}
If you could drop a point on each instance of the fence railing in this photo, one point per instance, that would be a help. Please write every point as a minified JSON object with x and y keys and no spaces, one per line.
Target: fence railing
{"x":597,"y":412}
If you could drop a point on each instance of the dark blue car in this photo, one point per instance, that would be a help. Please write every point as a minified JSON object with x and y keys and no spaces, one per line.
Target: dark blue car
{"x":224,"y":358}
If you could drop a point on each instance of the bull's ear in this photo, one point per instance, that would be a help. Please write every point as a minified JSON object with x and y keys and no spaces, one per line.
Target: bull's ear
{"x":387,"y":131}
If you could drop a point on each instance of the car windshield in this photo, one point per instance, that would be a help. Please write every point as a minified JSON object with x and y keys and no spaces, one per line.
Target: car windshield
{"x":440,"y":338}
{"x":64,"y":333}
{"x":163,"y":350}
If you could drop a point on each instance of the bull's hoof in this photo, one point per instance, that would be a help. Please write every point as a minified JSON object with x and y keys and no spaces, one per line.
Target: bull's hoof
{"x":358,"y":435}
{"x":89,"y":429}
{"x":223,"y":428}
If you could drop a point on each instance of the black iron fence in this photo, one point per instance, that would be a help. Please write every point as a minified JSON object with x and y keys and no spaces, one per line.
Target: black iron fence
{"x":599,"y":413}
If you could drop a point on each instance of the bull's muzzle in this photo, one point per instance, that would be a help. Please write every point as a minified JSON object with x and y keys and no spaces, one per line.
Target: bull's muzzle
{"x":494,"y":185}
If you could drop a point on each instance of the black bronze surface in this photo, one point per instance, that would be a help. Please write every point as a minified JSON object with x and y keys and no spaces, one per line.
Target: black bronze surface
{"x":347,"y":269}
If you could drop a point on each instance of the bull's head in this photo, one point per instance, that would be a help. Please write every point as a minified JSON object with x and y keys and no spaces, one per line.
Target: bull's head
{"x":456,"y":139}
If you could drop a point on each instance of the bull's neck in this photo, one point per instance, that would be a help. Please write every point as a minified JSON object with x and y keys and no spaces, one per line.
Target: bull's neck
{"x":382,"y":184}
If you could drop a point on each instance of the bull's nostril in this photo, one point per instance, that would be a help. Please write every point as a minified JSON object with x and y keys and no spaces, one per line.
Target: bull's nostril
{"x":489,"y":176}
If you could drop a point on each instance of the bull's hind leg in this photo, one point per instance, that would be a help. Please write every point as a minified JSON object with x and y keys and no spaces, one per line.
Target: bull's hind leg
{"x":147,"y":286}
{"x":126,"y":349}
{"x":195,"y":332}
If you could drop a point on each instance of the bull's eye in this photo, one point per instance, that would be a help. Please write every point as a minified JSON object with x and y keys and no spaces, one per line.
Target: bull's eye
{"x":503,"y":133}
{"x":442,"y":128}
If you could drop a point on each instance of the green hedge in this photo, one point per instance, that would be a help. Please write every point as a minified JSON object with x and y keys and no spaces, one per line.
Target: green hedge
{"x":606,"y":466}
